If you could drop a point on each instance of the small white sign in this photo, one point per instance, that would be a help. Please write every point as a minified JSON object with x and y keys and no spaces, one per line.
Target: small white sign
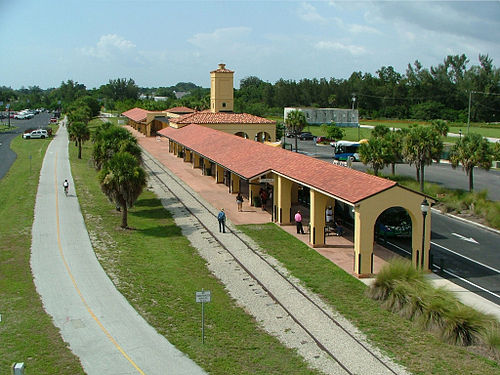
{"x":203,"y":296}
{"x":267,"y":180}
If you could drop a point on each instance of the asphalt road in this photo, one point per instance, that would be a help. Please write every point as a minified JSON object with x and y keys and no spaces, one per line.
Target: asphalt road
{"x":441,"y":173}
{"x":465,"y":252}
{"x":99,"y":324}
{"x":7,"y":156}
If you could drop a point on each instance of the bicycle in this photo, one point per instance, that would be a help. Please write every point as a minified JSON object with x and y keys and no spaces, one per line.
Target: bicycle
{"x":66,"y":187}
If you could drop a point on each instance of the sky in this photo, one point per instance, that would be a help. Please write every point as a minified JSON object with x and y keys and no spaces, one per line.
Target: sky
{"x":163,"y":42}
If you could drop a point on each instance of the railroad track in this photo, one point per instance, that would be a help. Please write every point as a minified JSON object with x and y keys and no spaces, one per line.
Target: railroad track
{"x":339,"y":348}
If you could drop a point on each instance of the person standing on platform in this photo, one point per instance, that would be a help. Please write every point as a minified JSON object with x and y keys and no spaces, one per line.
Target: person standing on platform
{"x":222,"y":220}
{"x":329,"y":216}
{"x":239,"y":202}
{"x":298,"y":222}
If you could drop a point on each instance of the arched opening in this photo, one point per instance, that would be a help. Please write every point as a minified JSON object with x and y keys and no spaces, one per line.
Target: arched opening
{"x":393,"y":230}
{"x":263,"y":137}
{"x":242,"y":135}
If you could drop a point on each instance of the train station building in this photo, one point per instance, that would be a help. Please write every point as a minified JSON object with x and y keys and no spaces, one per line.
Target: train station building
{"x":299,"y":182}
{"x":220,"y":116}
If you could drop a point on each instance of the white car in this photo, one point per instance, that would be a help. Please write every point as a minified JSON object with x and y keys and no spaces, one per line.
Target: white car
{"x":40,"y":133}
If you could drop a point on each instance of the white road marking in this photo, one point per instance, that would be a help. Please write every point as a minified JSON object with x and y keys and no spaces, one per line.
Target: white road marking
{"x":468,"y":239}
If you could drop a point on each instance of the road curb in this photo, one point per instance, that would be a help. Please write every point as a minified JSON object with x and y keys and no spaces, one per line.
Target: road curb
{"x":482,"y":226}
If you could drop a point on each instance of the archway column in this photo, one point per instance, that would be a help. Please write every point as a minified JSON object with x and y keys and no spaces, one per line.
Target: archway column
{"x":254,"y":190}
{"x":235,"y":183}
{"x":283,"y":195}
{"x":363,"y":243}
{"x":317,"y":218}
{"x":187,"y":156}
{"x":196,"y":160}
{"x":206,"y":167}
{"x":219,"y":174}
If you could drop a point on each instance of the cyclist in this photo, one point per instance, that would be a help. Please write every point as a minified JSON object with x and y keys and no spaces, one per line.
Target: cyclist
{"x":66,"y":186}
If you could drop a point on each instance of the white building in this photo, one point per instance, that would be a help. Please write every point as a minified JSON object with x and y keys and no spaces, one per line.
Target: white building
{"x":317,"y":116}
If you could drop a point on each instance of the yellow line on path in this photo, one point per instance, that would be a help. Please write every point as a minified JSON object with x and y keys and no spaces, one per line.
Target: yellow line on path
{"x":120,"y":349}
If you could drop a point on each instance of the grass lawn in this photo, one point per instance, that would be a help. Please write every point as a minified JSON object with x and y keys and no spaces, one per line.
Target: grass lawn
{"x":26,"y":331}
{"x":158,"y":271}
{"x":419,"y":351}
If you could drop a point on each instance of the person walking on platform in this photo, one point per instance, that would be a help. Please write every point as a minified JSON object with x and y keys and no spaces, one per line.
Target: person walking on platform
{"x":222,"y":221}
{"x":239,"y":202}
{"x":298,"y":222}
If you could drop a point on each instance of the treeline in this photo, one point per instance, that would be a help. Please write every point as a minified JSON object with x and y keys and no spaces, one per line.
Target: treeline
{"x":420,"y":93}
{"x":441,"y":91}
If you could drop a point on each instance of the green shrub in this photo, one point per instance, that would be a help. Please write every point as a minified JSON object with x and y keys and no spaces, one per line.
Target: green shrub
{"x":491,"y":337}
{"x":437,"y":305}
{"x":395,"y":270}
{"x":464,"y":325}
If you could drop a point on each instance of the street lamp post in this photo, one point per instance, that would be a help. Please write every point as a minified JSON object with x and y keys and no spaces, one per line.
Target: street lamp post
{"x":352,"y":114}
{"x":424,"y":207}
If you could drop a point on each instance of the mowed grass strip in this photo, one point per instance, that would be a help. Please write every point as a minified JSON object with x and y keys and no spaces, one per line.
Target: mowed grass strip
{"x":420,"y":352}
{"x":27,"y":333}
{"x":156,"y":269}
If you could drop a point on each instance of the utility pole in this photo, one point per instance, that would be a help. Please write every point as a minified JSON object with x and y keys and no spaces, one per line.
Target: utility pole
{"x":468,"y":116}
{"x":353,"y":101}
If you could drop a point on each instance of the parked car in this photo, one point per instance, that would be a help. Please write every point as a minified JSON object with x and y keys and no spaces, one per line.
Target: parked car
{"x":53,"y":119}
{"x":324,"y":140}
{"x":306,"y":136}
{"x":39,"y":133}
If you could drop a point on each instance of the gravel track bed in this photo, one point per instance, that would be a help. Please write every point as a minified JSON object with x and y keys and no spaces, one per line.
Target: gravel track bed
{"x":249,"y":294}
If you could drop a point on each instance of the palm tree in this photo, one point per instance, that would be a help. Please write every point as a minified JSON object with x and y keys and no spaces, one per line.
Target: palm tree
{"x":296,"y":121}
{"x":376,"y":153}
{"x":394,"y":142}
{"x":122,"y":179}
{"x":471,"y":151}
{"x":440,"y":127}
{"x":110,"y":140}
{"x":421,"y":145}
{"x":79,"y":133}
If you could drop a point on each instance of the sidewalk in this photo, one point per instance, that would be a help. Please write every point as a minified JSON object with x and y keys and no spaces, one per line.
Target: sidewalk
{"x":97,"y":322}
{"x":339,"y":250}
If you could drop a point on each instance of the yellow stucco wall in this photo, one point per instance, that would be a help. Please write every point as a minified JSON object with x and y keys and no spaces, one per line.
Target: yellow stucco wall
{"x":366,"y":214}
{"x":250,"y":129}
{"x":221,"y":91}
{"x":283,"y":193}
{"x":317,"y":217}
{"x":219,"y":174}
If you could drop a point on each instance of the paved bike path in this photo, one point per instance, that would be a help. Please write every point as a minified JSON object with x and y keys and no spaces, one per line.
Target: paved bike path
{"x":101,"y":327}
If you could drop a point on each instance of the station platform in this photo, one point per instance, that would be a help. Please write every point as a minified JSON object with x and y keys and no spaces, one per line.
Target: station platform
{"x":339,"y":250}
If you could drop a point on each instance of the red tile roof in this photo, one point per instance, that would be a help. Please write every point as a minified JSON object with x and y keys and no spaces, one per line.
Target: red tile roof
{"x":136,"y":114}
{"x":180,"y":110}
{"x":251,"y":159}
{"x":207,"y":117}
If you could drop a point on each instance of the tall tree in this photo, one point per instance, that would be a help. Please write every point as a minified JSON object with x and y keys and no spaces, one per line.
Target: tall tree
{"x":471,"y":151}
{"x":111,"y":139}
{"x":79,"y":133}
{"x":421,"y":146}
{"x":375,"y":153}
{"x":122,"y":179}
{"x":295,"y":122}
{"x":394,"y":143}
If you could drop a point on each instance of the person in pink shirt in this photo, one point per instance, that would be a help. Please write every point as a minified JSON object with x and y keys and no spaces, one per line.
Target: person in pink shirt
{"x":298,"y":222}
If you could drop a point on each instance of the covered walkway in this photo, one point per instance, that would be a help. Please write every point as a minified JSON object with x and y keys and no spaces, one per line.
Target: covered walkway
{"x":339,"y":250}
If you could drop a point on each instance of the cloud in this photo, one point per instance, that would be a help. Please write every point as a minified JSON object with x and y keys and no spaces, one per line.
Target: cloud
{"x":464,"y":19}
{"x":109,"y":47}
{"x":219,"y":36}
{"x":309,"y":13}
{"x":337,"y":46}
